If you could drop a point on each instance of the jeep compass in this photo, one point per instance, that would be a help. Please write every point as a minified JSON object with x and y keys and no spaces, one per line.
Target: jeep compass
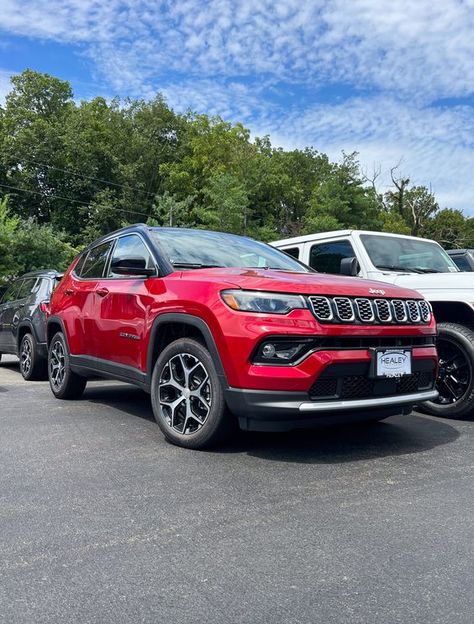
{"x":221,"y":329}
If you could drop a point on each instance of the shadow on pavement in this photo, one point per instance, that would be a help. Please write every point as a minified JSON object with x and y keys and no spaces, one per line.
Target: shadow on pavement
{"x":399,"y":435}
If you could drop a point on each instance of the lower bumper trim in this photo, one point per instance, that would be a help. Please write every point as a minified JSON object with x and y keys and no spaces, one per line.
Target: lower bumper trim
{"x":340,"y":406}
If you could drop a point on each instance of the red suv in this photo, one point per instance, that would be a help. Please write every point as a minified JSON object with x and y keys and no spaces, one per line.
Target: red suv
{"x":220,"y":327}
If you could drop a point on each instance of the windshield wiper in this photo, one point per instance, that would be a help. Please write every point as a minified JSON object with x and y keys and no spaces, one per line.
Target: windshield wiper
{"x":196,"y":265}
{"x":394,"y":267}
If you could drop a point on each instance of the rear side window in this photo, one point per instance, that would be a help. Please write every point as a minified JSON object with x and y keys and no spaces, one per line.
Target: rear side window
{"x":26,"y":287}
{"x":128,"y":247}
{"x":294,"y":252}
{"x":326,"y":257}
{"x":94,"y":264}
{"x":462,"y":262}
{"x":11,"y":291}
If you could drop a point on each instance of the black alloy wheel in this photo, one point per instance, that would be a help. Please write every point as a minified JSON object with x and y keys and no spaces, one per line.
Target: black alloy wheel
{"x":455,"y":381}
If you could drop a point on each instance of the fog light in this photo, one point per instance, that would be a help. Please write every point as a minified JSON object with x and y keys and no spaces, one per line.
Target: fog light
{"x":282,"y":351}
{"x":268,"y":351}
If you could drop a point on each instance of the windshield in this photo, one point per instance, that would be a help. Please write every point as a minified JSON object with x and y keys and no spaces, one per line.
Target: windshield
{"x":407,"y":254}
{"x":194,"y":249}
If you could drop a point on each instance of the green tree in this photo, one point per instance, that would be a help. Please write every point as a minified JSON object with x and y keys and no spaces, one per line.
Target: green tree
{"x":8,"y":228}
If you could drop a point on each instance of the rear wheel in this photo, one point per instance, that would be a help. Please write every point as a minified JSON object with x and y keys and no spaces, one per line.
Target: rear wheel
{"x":187,"y":396}
{"x":64,"y":383}
{"x":455,"y":382}
{"x":32,"y":366}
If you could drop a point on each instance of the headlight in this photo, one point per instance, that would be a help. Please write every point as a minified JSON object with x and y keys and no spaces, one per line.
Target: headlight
{"x":268,"y":303}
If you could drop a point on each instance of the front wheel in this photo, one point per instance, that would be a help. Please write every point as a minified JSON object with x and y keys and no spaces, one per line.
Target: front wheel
{"x":64,"y":383}
{"x":455,"y":382}
{"x":187,"y":396}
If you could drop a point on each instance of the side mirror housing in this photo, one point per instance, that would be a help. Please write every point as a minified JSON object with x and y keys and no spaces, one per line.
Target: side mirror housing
{"x":350,"y":266}
{"x":132,"y":266}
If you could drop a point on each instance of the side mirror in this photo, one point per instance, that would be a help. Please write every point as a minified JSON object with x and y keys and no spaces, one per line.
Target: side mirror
{"x":132,"y":266}
{"x":349,"y":266}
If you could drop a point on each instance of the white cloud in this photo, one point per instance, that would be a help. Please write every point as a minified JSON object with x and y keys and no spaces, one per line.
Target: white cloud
{"x":5,"y":85}
{"x":233,"y":58}
{"x":434,"y":145}
{"x":421,"y":47}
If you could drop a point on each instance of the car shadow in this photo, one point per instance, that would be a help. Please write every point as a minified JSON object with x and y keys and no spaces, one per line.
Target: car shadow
{"x":399,"y":435}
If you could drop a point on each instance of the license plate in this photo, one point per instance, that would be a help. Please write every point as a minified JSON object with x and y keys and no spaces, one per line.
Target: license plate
{"x":393,"y":363}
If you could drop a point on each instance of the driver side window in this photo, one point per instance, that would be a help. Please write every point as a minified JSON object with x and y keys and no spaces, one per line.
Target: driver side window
{"x":326,"y":257}
{"x":130,"y":247}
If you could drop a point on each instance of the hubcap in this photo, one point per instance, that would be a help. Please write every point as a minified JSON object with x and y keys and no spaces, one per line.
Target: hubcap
{"x":25,"y":357}
{"x":454,"y":377}
{"x":57,"y":365}
{"x":185,"y":393}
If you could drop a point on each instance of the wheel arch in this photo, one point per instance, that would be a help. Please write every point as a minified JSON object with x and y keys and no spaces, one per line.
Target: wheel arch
{"x":171,"y":326}
{"x":25,"y":327}
{"x":453,"y":312}
{"x":54,"y":325}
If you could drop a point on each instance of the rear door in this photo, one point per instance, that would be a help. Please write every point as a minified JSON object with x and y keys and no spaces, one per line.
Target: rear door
{"x":79,"y":300}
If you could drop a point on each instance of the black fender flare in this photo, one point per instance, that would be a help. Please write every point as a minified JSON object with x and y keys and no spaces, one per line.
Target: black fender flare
{"x":31,"y":329}
{"x":194,"y":321}
{"x":58,"y":321}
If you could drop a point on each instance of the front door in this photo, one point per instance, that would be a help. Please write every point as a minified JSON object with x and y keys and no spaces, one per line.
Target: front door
{"x":123,"y":304}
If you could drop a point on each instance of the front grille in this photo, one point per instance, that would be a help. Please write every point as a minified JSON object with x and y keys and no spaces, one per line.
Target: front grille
{"x":384,"y":313}
{"x":400,"y":311}
{"x":344,"y":309}
{"x":365,"y":311}
{"x":352,"y":382}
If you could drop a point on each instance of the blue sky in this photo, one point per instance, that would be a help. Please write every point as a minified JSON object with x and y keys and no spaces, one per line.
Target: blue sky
{"x":392,"y":80}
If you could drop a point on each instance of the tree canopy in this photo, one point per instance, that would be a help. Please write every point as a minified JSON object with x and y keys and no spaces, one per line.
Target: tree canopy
{"x":71,"y":171}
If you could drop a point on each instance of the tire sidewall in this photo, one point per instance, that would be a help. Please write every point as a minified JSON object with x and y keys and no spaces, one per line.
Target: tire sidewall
{"x":34,"y":357}
{"x":62,"y":391}
{"x":213,"y":425}
{"x":464,"y":408}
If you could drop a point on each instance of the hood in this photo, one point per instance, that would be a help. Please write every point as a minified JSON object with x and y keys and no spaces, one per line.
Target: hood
{"x":299,"y":283}
{"x":438,"y":285}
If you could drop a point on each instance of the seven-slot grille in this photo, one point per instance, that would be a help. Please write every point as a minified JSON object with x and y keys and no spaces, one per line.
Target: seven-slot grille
{"x":362,"y":310}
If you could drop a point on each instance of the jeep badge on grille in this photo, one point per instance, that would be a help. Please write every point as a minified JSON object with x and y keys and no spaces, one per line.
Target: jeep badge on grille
{"x":376,"y":291}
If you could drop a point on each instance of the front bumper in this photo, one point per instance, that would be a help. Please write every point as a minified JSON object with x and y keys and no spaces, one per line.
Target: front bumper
{"x":282,"y":411}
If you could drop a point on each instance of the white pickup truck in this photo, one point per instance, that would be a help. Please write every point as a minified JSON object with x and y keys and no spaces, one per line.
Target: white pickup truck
{"x":422,"y":265}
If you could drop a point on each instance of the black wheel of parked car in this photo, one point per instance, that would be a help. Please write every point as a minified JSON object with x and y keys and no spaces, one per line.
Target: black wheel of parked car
{"x":455,"y":382}
{"x":32,"y":366}
{"x":187,"y":396}
{"x":64,"y":383}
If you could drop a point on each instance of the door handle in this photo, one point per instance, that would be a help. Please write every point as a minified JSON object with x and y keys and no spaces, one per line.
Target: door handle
{"x":69,"y":291}
{"x":102,"y":292}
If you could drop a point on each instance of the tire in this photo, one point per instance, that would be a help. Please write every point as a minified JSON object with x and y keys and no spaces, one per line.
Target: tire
{"x":32,"y":366}
{"x":198,"y":420}
{"x":64,"y":383}
{"x":455,"y":381}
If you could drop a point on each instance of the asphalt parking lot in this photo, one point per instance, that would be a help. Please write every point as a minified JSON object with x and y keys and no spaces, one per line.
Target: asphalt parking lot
{"x":103,"y":521}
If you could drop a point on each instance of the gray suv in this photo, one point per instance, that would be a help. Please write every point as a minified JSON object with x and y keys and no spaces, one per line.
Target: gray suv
{"x":23,"y":312}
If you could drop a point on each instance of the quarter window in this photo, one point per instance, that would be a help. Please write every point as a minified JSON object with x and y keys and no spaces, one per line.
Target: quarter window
{"x":294,"y":252}
{"x":94,"y":264}
{"x":129,"y":247}
{"x":326,"y":257}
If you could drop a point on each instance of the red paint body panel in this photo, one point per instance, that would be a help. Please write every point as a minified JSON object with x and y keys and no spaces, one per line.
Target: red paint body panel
{"x":117,"y":326}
